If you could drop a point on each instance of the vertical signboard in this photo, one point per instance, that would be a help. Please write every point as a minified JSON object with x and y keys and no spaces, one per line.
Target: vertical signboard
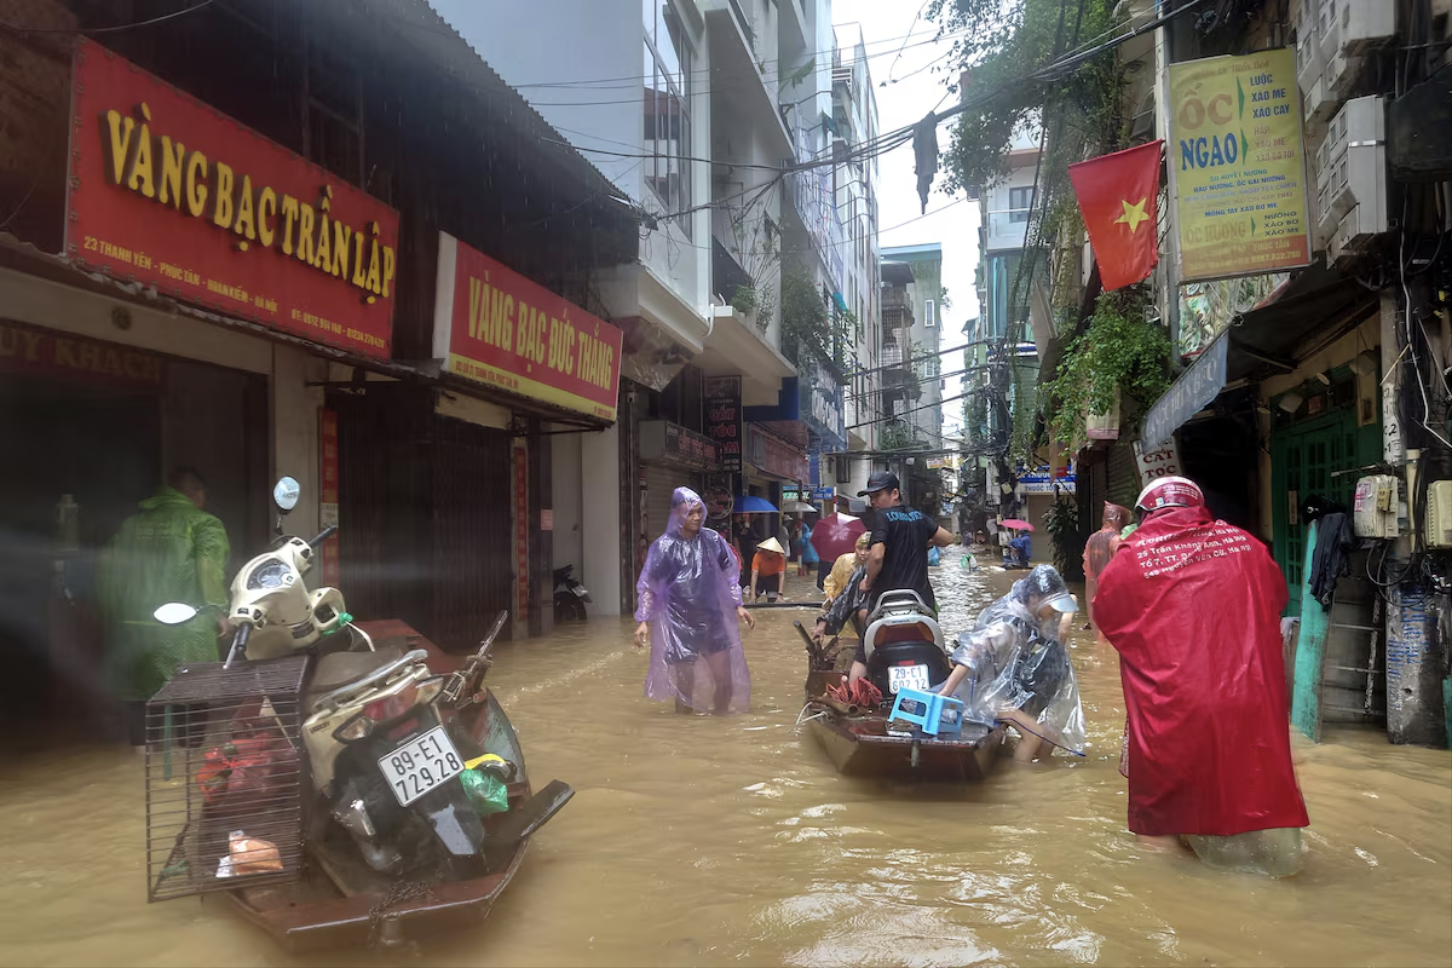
{"x":1237,"y":165}
{"x":521,"y":532}
{"x":328,"y":492}
{"x":723,"y":419}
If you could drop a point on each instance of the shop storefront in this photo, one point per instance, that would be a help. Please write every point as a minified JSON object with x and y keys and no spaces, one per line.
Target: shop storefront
{"x":670,"y":456}
{"x":486,"y":466}
{"x":175,"y":330}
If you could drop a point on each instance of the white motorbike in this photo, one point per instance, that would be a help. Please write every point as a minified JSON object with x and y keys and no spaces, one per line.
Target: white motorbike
{"x":376,"y":713}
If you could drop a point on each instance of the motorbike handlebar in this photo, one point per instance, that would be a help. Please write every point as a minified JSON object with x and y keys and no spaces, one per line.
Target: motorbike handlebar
{"x":323,"y":535}
{"x":239,"y":644}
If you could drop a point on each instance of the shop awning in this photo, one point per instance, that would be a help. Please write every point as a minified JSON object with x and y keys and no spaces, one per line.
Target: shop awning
{"x":1272,"y":338}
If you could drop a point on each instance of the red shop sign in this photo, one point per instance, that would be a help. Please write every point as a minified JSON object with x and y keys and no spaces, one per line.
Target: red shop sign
{"x":494,"y":326}
{"x":169,"y":192}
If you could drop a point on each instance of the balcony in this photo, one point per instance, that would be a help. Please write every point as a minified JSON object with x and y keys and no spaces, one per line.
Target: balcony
{"x":1006,"y":230}
{"x":744,"y":71}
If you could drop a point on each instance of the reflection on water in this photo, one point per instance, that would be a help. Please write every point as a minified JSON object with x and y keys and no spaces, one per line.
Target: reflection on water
{"x":732,"y":841}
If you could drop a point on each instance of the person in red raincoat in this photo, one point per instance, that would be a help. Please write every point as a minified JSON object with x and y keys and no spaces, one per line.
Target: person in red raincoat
{"x":1099,"y":549}
{"x":1193,"y":607}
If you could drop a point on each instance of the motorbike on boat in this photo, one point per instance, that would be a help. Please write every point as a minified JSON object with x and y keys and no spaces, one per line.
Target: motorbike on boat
{"x":904,"y":647}
{"x":376,"y":788}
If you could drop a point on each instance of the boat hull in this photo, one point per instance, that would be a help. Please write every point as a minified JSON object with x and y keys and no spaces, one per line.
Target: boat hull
{"x":861,"y":746}
{"x":339,"y":903}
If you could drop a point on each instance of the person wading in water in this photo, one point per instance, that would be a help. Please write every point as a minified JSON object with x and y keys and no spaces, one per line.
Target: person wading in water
{"x":1193,"y":607}
{"x":688,"y":602}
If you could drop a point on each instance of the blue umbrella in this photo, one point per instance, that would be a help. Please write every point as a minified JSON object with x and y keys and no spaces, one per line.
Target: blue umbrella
{"x":754,"y":505}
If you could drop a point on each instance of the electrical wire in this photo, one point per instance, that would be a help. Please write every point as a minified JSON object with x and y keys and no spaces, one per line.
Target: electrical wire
{"x":106,"y":30}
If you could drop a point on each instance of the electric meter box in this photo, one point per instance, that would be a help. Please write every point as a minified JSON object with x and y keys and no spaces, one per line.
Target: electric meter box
{"x":1438,"y":524}
{"x":1375,"y":507}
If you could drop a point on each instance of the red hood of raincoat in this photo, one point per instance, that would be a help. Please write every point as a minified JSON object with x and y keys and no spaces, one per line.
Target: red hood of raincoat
{"x":1193,"y":606}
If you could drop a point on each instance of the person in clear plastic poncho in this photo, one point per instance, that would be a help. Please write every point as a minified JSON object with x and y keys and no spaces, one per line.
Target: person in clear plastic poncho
{"x":689,"y":599}
{"x":1012,"y":666}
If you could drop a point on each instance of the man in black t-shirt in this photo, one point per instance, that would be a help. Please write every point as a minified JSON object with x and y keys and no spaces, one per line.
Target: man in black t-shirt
{"x":900,"y":540}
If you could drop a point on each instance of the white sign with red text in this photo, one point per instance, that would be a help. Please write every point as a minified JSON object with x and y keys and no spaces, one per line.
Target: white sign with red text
{"x":1162,"y":460}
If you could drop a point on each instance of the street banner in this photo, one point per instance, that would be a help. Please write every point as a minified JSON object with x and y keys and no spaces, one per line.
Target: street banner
{"x":1119,"y":198}
{"x":169,"y":192}
{"x":494,"y":326}
{"x":1237,"y":165}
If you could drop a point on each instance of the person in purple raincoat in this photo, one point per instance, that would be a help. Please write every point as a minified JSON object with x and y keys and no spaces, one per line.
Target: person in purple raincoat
{"x":689,"y":598}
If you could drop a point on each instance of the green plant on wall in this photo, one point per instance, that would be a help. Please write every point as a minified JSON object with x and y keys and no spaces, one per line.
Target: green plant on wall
{"x":896,"y":435}
{"x":807,"y":326}
{"x":1061,"y":521}
{"x":1119,"y":349}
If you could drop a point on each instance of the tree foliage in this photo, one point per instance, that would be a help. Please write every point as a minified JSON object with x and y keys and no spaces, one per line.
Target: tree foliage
{"x":1121,"y":350}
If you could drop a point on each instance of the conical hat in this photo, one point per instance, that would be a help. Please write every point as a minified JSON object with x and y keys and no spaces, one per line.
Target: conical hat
{"x":771,"y":544}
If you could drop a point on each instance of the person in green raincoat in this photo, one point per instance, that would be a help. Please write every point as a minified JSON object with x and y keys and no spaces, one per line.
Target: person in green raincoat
{"x":172,"y":551}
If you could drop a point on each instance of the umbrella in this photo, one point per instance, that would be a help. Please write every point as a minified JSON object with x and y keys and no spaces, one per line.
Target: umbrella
{"x":754,"y":505}
{"x":1014,"y":524}
{"x":836,"y":535}
{"x":798,"y":507}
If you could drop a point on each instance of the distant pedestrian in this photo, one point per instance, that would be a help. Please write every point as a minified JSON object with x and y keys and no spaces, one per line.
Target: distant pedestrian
{"x":689,"y":600}
{"x":810,"y":559}
{"x":1098,"y":550}
{"x":768,"y":571}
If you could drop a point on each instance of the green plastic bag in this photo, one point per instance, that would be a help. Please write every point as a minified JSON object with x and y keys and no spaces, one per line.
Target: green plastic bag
{"x":487,"y":793}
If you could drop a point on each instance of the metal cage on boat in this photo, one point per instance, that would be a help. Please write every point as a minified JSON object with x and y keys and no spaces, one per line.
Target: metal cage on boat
{"x":225,"y":774}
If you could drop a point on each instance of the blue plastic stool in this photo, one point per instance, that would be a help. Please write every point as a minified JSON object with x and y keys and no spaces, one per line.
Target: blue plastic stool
{"x":931,"y":712}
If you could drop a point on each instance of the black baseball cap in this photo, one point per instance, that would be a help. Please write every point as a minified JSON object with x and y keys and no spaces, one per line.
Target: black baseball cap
{"x":881,"y":481}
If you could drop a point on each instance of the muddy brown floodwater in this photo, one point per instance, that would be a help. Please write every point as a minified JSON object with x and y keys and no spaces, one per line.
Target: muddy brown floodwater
{"x":732,"y":841}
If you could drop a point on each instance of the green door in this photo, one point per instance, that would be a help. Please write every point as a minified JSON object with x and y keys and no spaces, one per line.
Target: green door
{"x":1304,"y":459}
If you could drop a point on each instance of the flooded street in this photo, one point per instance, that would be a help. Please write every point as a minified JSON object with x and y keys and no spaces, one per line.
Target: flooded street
{"x":732,"y":841}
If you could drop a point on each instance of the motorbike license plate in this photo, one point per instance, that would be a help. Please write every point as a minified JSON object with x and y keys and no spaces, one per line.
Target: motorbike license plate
{"x":907,"y":677}
{"x":421,"y":765}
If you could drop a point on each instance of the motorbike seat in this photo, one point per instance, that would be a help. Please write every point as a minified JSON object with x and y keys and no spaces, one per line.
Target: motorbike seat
{"x":337,"y":669}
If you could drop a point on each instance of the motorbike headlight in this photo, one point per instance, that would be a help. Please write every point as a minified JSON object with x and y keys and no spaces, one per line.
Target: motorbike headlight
{"x":270,"y":574}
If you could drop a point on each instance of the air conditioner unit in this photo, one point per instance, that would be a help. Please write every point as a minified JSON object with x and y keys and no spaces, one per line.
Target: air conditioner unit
{"x":1374,"y":513}
{"x":1354,"y":27}
{"x":1317,"y":107}
{"x":1341,"y":73}
{"x":1437,"y":528}
{"x":1351,"y":163}
{"x":1309,"y":60}
{"x":1356,"y":231}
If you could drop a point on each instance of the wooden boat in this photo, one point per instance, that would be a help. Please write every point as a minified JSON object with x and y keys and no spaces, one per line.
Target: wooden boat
{"x":341,"y":903}
{"x":859,"y":741}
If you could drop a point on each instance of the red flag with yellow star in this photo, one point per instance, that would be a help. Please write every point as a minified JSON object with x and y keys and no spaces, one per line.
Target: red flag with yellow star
{"x":1117,"y":195}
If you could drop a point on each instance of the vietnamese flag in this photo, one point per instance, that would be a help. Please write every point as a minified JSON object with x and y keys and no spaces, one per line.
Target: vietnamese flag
{"x":1118,"y":195}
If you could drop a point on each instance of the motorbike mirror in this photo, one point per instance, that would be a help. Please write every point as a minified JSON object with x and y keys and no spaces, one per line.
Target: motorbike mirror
{"x":285,"y":495}
{"x":174,"y":613}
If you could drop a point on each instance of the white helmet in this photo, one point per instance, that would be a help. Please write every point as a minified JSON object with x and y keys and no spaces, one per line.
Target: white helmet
{"x":1170,"y":492}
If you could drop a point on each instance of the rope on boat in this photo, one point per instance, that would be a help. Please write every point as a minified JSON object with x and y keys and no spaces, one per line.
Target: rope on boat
{"x":817,"y":715}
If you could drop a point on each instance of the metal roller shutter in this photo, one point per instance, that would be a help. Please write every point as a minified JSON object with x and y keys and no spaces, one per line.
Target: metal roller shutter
{"x":660,"y":483}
